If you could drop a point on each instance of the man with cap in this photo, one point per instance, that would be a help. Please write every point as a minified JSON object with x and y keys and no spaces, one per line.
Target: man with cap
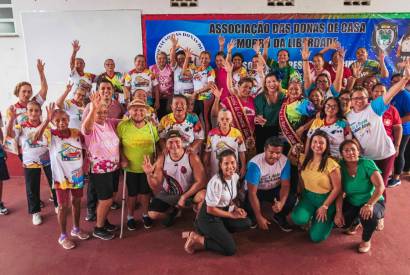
{"x":188,"y":124}
{"x":138,"y":138}
{"x":178,"y":176}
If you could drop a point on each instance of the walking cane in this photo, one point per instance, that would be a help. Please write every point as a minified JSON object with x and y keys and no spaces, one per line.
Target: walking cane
{"x":123,"y":204}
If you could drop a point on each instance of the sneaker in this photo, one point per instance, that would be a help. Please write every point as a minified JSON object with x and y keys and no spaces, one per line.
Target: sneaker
{"x":56,"y":210}
{"x":37,"y":219}
{"x":147,"y":221}
{"x":66,"y":243}
{"x":283,"y":224}
{"x":103,"y":234}
{"x":254,"y":224}
{"x":79,"y":234}
{"x":115,"y":206}
{"x":51,"y":199}
{"x":170,"y":219}
{"x":42,"y":205}
{"x":110,"y":227}
{"x":131,"y":225}
{"x":91,"y":217}
{"x":3,"y":209}
{"x":393,"y":183}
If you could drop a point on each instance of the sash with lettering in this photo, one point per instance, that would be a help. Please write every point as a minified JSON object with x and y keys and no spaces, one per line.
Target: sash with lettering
{"x":241,"y":120}
{"x":285,"y":126}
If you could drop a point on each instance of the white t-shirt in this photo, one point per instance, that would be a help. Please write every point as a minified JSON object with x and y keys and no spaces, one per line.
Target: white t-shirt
{"x":144,"y":80}
{"x":66,"y":159}
{"x":266,"y":176}
{"x":85,"y":81}
{"x":203,"y":76}
{"x":219,"y":194}
{"x":183,"y":83}
{"x":75,"y":113}
{"x":367,"y":127}
{"x":21,"y":110}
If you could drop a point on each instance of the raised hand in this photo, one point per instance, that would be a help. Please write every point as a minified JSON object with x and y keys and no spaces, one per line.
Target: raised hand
{"x":305,"y":50}
{"x":406,"y":73}
{"x":335,"y":45}
{"x":40,"y":66}
{"x":380,"y":56}
{"x":266,"y":42}
{"x":257,"y":47}
{"x":231,"y":45}
{"x":215,"y":91}
{"x":12,"y":113}
{"x":188,"y":52}
{"x":221,"y":41}
{"x":341,"y":52}
{"x":147,"y":166}
{"x":69,"y":86}
{"x":76,"y":45}
{"x":95,"y":99}
{"x":50,"y":111}
{"x":227,"y":66}
{"x":357,"y":69}
{"x":174,"y":41}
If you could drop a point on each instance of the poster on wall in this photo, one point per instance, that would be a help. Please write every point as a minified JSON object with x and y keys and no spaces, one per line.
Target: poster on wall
{"x":387,"y":32}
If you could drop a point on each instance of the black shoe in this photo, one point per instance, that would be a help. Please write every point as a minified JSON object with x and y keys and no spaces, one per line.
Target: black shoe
{"x":115,"y":206}
{"x":103,"y":234}
{"x":254,"y":224}
{"x":131,"y":225}
{"x":147,"y":222}
{"x":42,"y":205}
{"x":3,"y":209}
{"x":110,"y":227}
{"x":91,"y":217}
{"x":170,"y":219}
{"x":283,"y":224}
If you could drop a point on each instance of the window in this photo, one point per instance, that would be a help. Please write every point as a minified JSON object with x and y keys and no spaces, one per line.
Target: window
{"x":356,"y":2}
{"x":281,"y":3}
{"x":7,"y":26}
{"x":183,"y":3}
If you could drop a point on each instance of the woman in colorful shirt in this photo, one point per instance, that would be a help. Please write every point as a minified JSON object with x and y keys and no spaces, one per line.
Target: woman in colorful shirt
{"x":35,"y":156}
{"x":366,"y":122}
{"x":165,"y":75}
{"x":116,"y":78}
{"x":320,"y":184}
{"x":103,"y":154}
{"x":362,"y":197}
{"x":222,"y":138}
{"x":281,"y":67}
{"x":65,"y":146}
{"x":74,"y":107}
{"x":332,"y":122}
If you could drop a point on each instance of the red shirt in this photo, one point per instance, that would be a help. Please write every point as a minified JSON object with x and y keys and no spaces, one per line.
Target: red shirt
{"x":332,"y":71}
{"x":390,"y":118}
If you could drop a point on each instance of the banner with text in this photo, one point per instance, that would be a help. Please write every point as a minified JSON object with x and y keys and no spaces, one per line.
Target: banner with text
{"x":388,"y":32}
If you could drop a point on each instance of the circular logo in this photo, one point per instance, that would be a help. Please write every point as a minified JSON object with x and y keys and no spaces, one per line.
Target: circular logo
{"x":185,"y":40}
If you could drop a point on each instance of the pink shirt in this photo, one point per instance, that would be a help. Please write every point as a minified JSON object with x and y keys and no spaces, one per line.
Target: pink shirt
{"x":103,"y":147}
{"x":165,"y":78}
{"x":248,"y":108}
{"x":221,"y":81}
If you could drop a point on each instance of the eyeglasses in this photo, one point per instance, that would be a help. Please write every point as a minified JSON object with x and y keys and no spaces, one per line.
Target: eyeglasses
{"x":344,"y":98}
{"x":359,"y":98}
{"x":332,"y":107}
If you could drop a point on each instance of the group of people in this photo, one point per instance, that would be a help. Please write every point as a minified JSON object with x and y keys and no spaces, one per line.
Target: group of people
{"x":319,"y":147}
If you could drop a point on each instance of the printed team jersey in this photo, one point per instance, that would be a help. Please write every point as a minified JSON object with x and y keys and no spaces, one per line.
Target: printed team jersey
{"x":296,"y":110}
{"x":178,"y":175}
{"x":217,"y":142}
{"x":190,"y":128}
{"x":117,"y":81}
{"x":75,"y":112}
{"x":35,"y":154}
{"x":144,"y":80}
{"x":201,"y":77}
{"x":238,"y":75}
{"x":258,"y":83}
{"x":336,"y":132}
{"x":84,"y":81}
{"x":66,"y":159}
{"x":367,"y":127}
{"x":266,"y":176}
{"x":165,"y":79}
{"x":183,"y":82}
{"x":21,"y":110}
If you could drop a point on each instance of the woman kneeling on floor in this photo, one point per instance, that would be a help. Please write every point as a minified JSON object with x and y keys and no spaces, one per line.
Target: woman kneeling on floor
{"x":363,"y":186}
{"x":219,"y":215}
{"x":320,"y":185}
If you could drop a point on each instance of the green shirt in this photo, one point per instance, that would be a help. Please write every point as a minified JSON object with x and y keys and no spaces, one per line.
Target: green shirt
{"x":284,"y":73}
{"x":137,"y":143}
{"x":269,"y":111}
{"x":359,"y":189}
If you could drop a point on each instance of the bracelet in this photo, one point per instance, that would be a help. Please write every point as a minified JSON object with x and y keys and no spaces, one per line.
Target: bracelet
{"x":368,"y":204}
{"x":304,"y":60}
{"x":325,"y":206}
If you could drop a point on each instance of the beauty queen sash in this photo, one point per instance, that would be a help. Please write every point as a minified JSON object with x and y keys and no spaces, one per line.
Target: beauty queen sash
{"x":285,"y":126}
{"x":241,"y":121}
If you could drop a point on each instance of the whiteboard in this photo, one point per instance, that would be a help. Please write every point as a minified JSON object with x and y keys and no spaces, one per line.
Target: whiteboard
{"x":106,"y":34}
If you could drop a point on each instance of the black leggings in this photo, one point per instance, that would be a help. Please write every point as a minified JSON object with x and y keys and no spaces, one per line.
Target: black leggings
{"x":351,"y":214}
{"x":401,"y":164}
{"x":32,"y":178}
{"x":217,"y":231}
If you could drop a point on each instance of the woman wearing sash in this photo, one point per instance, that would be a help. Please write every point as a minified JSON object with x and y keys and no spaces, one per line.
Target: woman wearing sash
{"x":242,"y":107}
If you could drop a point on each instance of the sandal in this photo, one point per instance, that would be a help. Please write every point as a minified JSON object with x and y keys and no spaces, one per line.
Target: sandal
{"x":352,"y":230}
{"x":364,"y":247}
{"x":80,"y":234}
{"x":190,"y":236}
{"x":66,"y":243}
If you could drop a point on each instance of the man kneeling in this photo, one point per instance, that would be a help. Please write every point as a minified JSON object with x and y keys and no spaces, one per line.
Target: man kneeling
{"x":179,"y":177}
{"x":268,"y":179}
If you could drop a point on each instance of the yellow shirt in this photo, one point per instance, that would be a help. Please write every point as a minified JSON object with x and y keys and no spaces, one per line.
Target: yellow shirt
{"x":318,"y":181}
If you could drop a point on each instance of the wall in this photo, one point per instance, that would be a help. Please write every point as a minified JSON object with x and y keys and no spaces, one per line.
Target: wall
{"x":13,"y":66}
